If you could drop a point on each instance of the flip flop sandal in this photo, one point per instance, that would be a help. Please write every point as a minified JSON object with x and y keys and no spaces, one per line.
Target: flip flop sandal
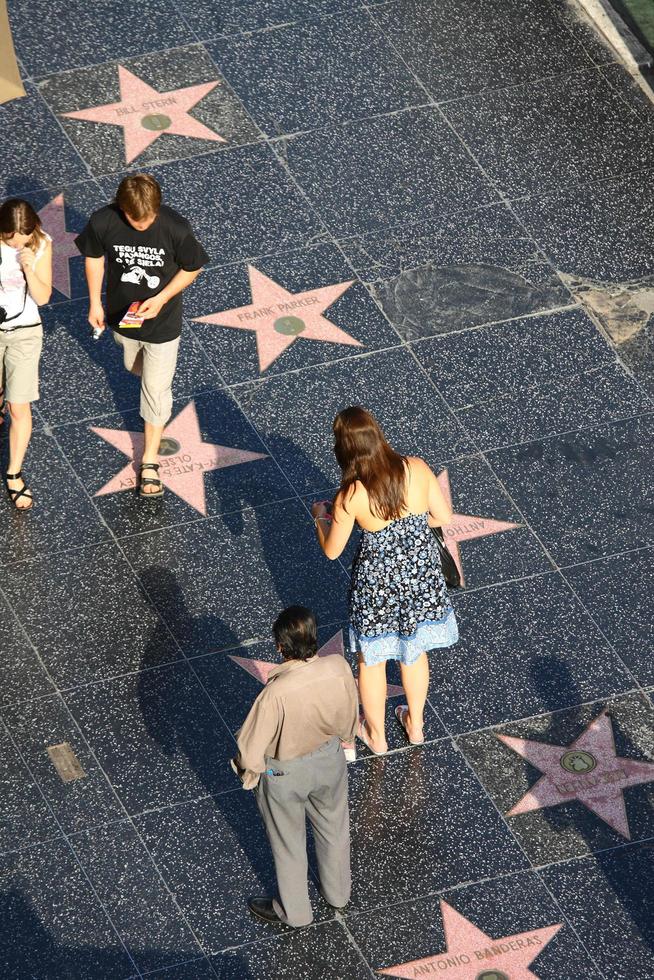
{"x":361,"y":734}
{"x":147,"y":481}
{"x":15,"y":495}
{"x":401,"y":713}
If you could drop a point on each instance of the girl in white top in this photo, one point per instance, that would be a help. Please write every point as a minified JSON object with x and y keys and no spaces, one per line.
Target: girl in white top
{"x":25,"y":284}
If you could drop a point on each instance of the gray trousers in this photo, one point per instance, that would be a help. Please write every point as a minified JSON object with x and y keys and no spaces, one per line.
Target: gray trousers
{"x":313,"y":786}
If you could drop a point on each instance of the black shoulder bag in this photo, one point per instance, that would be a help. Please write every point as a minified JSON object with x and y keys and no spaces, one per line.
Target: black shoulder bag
{"x":448,"y":565}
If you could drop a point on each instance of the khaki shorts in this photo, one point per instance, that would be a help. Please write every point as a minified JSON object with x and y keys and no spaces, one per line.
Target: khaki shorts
{"x":20,"y":350}
{"x":155,"y":365}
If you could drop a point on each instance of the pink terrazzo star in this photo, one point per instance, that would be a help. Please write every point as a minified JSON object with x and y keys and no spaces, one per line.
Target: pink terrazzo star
{"x":587,"y":770}
{"x":279,"y":317}
{"x":145,"y":113}
{"x":333,"y":647}
{"x":465,"y":527}
{"x":471,"y":954}
{"x":53,"y":219}
{"x":184,"y":458}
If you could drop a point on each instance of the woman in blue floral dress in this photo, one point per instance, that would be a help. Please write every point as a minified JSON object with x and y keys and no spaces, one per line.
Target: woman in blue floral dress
{"x":399,"y":605}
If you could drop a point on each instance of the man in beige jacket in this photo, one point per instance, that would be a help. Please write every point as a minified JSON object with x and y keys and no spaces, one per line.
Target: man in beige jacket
{"x":290,"y":753}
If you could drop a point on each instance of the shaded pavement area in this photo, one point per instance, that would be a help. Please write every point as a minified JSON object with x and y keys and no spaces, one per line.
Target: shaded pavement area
{"x":442,"y":211}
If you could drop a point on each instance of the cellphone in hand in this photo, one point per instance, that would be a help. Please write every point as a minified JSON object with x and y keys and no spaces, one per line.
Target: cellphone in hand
{"x":131,"y":318}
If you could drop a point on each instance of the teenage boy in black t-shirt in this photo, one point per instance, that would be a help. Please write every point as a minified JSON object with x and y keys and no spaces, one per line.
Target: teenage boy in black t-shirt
{"x":151,"y":255}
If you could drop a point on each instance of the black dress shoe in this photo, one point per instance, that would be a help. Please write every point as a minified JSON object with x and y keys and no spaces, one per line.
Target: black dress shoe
{"x":337,"y":908}
{"x":264,"y":910}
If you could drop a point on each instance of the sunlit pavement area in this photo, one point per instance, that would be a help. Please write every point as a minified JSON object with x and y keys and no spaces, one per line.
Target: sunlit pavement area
{"x":442,"y":211}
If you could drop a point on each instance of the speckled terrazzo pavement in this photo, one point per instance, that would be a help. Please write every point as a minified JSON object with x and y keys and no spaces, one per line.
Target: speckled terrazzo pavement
{"x":463,"y":191}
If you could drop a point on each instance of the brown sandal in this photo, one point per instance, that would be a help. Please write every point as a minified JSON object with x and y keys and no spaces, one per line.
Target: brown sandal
{"x":147,"y":481}
{"x":15,"y":495}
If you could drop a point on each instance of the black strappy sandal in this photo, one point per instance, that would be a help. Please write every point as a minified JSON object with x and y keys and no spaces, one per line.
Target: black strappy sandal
{"x":147,"y":481}
{"x":15,"y":495}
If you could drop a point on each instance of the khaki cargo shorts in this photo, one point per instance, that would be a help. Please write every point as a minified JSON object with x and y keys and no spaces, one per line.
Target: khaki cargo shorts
{"x":20,"y":351}
{"x":155,"y":365}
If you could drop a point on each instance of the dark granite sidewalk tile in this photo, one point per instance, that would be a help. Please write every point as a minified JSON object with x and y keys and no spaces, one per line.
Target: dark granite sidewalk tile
{"x":88,"y":34}
{"x":241,"y":204}
{"x":53,"y":924}
{"x":603,"y":395}
{"x":156,"y":734}
{"x":199,"y":969}
{"x":635,"y":95}
{"x":620,"y":883}
{"x":80,"y":803}
{"x":138,"y":103}
{"x":62,"y":515}
{"x":599,"y":238}
{"x":341,"y":68}
{"x":587,"y":494}
{"x":214,"y":855}
{"x":445,"y":274}
{"x":324,"y":951}
{"x":535,"y":137}
{"x":371,"y":173}
{"x":21,"y":674}
{"x":222,"y":581}
{"x":24,"y":815}
{"x":414,"y":820}
{"x":602,"y":754}
{"x":480,"y":367}
{"x":34,"y":152}
{"x":231,"y":17}
{"x":619,"y":594}
{"x":513,"y":382}
{"x":524,"y":649}
{"x":294,"y":414}
{"x":86,"y":615}
{"x":142,"y":910}
{"x":485,"y":929}
{"x":459,"y":49}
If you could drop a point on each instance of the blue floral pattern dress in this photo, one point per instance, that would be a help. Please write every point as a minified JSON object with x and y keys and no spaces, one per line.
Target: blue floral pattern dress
{"x":399,"y":605}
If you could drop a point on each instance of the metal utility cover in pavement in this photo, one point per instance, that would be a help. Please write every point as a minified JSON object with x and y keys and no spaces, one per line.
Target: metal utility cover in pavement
{"x":66,"y":762}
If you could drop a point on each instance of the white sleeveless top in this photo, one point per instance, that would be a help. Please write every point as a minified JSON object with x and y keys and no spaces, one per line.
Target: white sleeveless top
{"x":12,"y":287}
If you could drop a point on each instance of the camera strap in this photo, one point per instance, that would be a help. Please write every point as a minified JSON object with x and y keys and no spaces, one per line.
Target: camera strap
{"x":8,"y":319}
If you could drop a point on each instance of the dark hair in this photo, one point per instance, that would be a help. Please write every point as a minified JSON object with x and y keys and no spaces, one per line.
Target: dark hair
{"x":19,"y":217}
{"x":295,"y":633}
{"x":139,"y":196}
{"x":363,"y":453}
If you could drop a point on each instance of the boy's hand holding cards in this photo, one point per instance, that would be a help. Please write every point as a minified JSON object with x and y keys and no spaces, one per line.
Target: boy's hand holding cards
{"x":132,"y":318}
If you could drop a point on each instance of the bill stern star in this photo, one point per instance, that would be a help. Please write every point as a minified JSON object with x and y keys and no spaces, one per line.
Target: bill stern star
{"x":145,"y":113}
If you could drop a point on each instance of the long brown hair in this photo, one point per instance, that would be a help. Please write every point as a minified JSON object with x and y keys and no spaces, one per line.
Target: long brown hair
{"x":364,"y":454}
{"x":18,"y":217}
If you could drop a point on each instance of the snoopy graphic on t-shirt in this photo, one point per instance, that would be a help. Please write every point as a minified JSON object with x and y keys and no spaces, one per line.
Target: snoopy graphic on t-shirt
{"x":136,"y":274}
